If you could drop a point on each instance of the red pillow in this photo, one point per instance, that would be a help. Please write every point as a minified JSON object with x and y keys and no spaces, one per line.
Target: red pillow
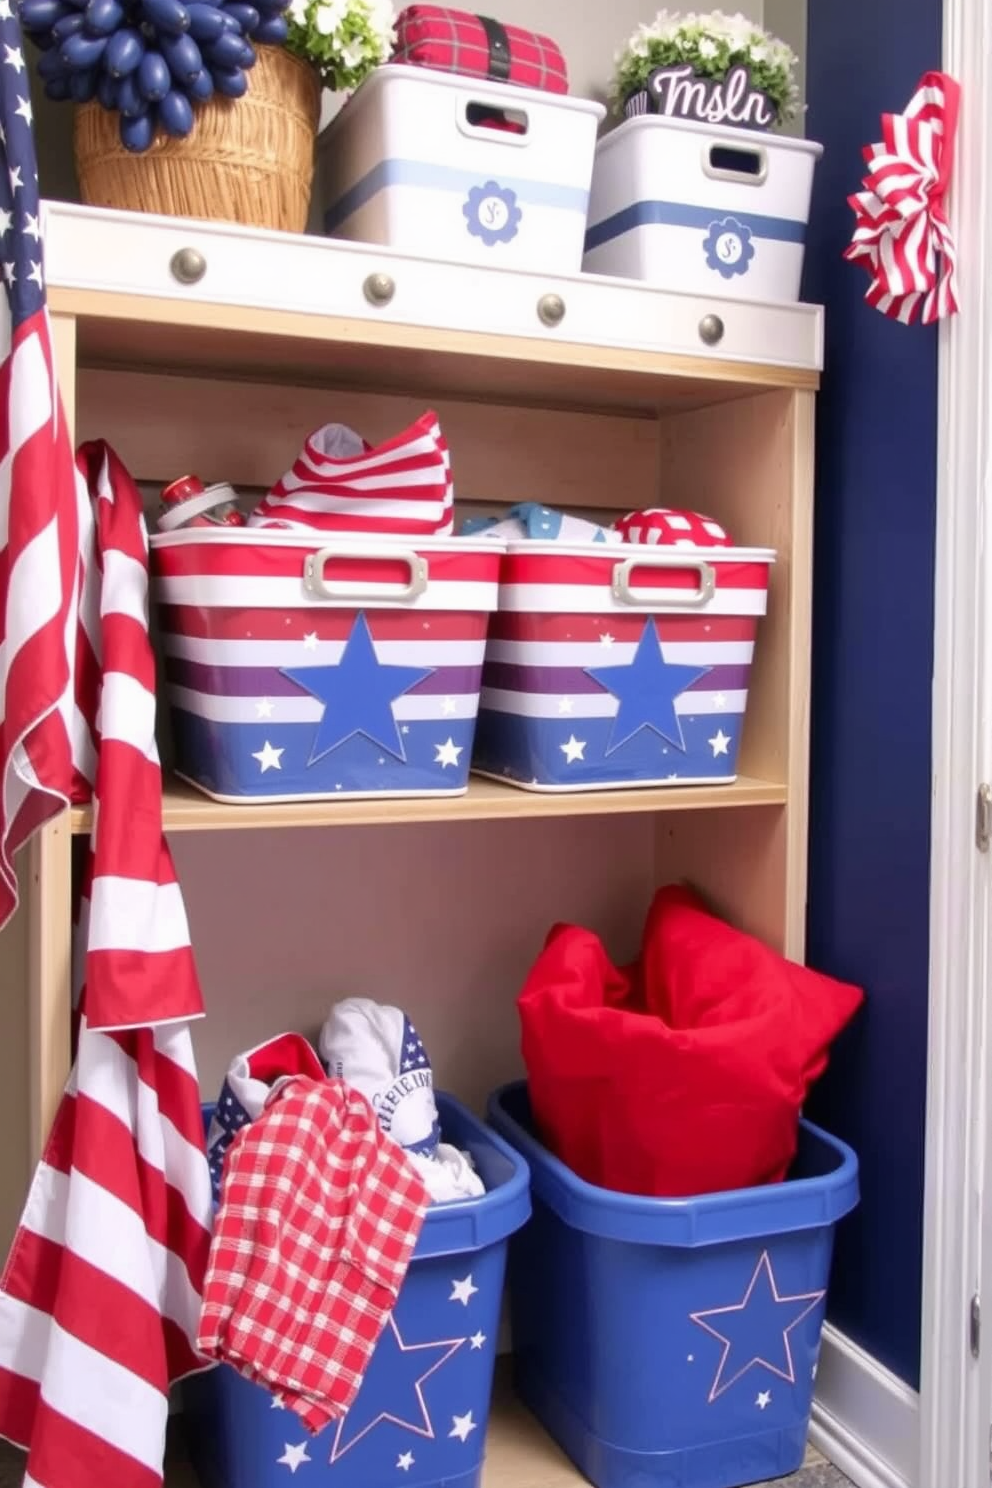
{"x":684,"y":1073}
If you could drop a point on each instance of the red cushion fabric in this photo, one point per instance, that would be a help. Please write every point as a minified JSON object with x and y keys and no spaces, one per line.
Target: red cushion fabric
{"x":685,"y":1072}
{"x":456,"y":41}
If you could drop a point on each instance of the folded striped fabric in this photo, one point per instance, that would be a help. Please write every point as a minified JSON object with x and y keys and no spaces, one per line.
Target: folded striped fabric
{"x":340,"y":483}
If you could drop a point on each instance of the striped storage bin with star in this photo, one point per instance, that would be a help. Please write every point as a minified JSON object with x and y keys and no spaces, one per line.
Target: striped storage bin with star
{"x":419,"y":1419}
{"x":609,"y":667}
{"x":298,"y":668}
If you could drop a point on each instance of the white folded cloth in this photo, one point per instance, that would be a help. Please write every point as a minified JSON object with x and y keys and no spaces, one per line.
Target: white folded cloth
{"x":377,"y":1050}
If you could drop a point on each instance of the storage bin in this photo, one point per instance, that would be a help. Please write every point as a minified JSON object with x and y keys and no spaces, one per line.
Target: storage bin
{"x":298,"y":669}
{"x":702,"y":208}
{"x":461,"y":169}
{"x":673,"y":1343}
{"x":421,"y":1414}
{"x":610,"y":667}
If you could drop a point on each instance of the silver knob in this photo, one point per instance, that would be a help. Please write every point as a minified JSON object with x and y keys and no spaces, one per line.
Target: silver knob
{"x":551,"y":309}
{"x":379,"y":289}
{"x":188,"y":266}
{"x":711,"y":329}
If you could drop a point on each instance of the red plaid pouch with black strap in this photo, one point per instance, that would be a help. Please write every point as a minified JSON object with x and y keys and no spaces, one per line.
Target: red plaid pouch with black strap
{"x":478,"y":46}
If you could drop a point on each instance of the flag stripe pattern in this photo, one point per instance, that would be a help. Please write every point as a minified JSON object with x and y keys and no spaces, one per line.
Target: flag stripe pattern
{"x":403,"y":487}
{"x":571,"y":669}
{"x":245,"y":720}
{"x":101,"y":1295}
{"x":902,"y":235}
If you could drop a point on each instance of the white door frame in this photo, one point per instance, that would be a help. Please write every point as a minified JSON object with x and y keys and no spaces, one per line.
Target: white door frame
{"x":956,"y":1388}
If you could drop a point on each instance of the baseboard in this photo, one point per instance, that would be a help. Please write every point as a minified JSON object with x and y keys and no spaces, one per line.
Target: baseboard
{"x":865,"y":1419}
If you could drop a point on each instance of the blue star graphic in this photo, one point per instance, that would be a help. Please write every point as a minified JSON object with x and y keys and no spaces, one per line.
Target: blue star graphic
{"x":357,"y":694}
{"x":392,"y":1389}
{"x":646,"y":689}
{"x":756,"y":1330}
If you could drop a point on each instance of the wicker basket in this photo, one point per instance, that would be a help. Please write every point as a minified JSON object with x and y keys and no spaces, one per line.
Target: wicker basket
{"x":247,"y":160}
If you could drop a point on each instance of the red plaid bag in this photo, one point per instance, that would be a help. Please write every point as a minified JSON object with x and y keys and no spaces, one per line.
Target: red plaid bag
{"x":478,"y":46}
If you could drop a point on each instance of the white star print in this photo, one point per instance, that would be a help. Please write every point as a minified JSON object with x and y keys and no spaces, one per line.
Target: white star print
{"x":15,"y":178}
{"x":6,"y":14}
{"x":32,"y":228}
{"x":447,"y":753}
{"x":462,"y":1426}
{"x":720,"y":701}
{"x":405,"y":728}
{"x":692,"y":1358}
{"x":23,"y":109}
{"x":719,"y":743}
{"x":448,"y":707}
{"x":5,"y":220}
{"x":463,"y":1291}
{"x":405,"y":1461}
{"x":606,"y":639}
{"x":8,"y":272}
{"x":14,"y":58}
{"x":573,"y":750}
{"x":34,"y":273}
{"x":310,"y":640}
{"x":477,"y":1340}
{"x":294,"y":1457}
{"x":564,"y":705}
{"x":269,"y":758}
{"x":764,"y":1400}
{"x":277,"y":1402}
{"x":263,"y":708}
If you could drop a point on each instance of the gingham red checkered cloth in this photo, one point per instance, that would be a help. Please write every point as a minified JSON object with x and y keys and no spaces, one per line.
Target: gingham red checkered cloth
{"x":457,"y":41}
{"x":319,"y":1215}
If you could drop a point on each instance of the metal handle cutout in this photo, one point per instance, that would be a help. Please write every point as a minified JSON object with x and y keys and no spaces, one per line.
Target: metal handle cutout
{"x":682,"y":599}
{"x":319,"y":587}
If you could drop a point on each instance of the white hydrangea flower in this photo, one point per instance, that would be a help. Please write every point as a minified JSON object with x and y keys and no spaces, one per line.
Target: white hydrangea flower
{"x":707,"y":47}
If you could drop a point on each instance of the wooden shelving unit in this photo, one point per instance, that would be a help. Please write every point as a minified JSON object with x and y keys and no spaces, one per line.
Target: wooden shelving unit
{"x":188,"y":810}
{"x":196,"y":380}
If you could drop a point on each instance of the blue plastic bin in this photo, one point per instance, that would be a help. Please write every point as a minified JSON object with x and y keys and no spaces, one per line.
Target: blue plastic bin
{"x":419,"y":1420}
{"x":673,"y":1343}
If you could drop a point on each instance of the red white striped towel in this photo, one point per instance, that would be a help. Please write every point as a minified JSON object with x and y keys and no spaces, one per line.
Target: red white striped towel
{"x":339,"y":483}
{"x":100,"y":1297}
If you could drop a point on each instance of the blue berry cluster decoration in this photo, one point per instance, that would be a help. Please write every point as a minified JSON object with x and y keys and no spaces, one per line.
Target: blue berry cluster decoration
{"x":152,"y":61}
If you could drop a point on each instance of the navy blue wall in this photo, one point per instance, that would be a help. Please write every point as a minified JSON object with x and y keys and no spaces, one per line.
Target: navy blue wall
{"x":872,"y":666}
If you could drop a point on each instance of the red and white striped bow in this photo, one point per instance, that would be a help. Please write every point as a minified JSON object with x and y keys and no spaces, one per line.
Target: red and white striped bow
{"x":901,"y":233}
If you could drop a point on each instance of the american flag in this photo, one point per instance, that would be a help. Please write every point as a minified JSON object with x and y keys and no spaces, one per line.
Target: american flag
{"x":101,"y":1294}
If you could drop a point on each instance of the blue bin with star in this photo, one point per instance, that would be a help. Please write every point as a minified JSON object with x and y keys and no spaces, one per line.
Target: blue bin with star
{"x":420,"y":1417}
{"x":619,"y":666}
{"x":673,"y":1343}
{"x":301,"y":671}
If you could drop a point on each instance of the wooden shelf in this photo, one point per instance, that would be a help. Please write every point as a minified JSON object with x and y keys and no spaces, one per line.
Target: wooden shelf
{"x":120,"y":331}
{"x":186,"y":810}
{"x":128,"y":331}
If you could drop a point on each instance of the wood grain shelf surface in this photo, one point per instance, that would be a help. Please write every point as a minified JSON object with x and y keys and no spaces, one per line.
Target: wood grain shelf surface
{"x":187,"y":810}
{"x":129,"y":331}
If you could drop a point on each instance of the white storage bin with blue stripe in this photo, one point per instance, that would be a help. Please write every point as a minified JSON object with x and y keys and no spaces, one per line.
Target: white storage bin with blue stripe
{"x":702,"y":208}
{"x":462,"y":169}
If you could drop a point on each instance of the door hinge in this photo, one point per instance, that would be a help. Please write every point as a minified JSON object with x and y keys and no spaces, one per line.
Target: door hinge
{"x":983,"y":818}
{"x":975,"y":1326}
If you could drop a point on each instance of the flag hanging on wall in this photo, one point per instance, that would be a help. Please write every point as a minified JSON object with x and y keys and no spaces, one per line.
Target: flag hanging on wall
{"x":101,"y":1294}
